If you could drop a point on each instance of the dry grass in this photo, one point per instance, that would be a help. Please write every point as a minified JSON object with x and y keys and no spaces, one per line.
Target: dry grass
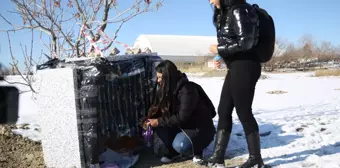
{"x":186,"y":164}
{"x":193,"y":68}
{"x":209,"y":72}
{"x":215,"y":73}
{"x":277,"y":92}
{"x":190,"y":164}
{"x":329,"y":72}
{"x":147,"y":160}
{"x":202,"y":68}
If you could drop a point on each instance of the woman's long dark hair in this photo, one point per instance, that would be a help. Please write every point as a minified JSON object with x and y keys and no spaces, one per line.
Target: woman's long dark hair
{"x":215,"y":16}
{"x":165,"y":93}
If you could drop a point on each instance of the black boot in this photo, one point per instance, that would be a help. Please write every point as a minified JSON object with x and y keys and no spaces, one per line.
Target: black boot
{"x":254,"y":147}
{"x":221,"y":142}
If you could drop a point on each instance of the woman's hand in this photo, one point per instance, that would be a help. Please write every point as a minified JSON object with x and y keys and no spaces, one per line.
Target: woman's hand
{"x":152,"y":122}
{"x":213,"y":49}
{"x":217,"y":63}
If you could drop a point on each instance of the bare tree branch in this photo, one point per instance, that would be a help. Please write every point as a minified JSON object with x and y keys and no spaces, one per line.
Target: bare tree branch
{"x":6,"y":20}
{"x":62,"y":26}
{"x":15,"y":65}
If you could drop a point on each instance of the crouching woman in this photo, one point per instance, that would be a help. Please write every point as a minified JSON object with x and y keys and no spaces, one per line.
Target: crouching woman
{"x":185,"y":122}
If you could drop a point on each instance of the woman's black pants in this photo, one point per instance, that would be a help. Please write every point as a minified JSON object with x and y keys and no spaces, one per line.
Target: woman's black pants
{"x":238,"y":91}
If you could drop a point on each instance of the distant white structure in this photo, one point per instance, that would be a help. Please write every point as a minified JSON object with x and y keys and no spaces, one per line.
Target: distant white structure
{"x":177,"y":48}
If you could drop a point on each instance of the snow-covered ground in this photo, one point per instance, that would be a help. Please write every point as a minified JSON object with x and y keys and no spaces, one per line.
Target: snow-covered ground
{"x":28,"y":114}
{"x":303,"y":122}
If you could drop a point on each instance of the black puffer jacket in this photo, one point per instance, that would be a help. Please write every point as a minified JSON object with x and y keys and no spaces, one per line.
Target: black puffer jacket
{"x":237,"y":31}
{"x":191,"y":111}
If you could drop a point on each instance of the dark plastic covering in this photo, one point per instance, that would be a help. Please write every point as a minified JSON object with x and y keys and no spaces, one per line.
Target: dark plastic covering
{"x":113,"y":94}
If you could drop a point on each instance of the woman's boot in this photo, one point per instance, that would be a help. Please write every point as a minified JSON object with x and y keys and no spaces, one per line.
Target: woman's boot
{"x":254,"y":147}
{"x":221,"y":142}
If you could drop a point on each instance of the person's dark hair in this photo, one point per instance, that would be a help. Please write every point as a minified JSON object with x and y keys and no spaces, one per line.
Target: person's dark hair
{"x":170,"y":77}
{"x":215,"y":16}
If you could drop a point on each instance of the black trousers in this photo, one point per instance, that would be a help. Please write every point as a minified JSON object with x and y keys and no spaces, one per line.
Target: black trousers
{"x":167,"y":135}
{"x":238,"y":91}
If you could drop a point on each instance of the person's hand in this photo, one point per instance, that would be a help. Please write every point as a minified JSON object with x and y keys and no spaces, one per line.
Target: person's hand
{"x":217,"y":63}
{"x":152,"y":122}
{"x":213,"y":49}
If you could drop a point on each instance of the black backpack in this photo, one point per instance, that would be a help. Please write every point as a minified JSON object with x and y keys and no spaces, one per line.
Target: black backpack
{"x":266,"y":43}
{"x":205,"y":98}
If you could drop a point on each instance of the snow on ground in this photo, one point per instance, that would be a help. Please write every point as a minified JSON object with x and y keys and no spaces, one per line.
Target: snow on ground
{"x":303,"y":122}
{"x":28,"y":114}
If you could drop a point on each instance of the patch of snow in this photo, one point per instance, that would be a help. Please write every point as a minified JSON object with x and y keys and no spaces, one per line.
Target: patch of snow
{"x":33,"y":132}
{"x":28,"y":110}
{"x":195,"y":74}
{"x":303,"y":123}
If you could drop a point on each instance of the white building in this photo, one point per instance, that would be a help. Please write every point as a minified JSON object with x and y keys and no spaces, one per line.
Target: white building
{"x":177,"y":48}
{"x":185,"y":49}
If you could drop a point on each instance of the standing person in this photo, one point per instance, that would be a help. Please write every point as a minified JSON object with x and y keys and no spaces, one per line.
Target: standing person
{"x":241,"y":44}
{"x":185,"y":122}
